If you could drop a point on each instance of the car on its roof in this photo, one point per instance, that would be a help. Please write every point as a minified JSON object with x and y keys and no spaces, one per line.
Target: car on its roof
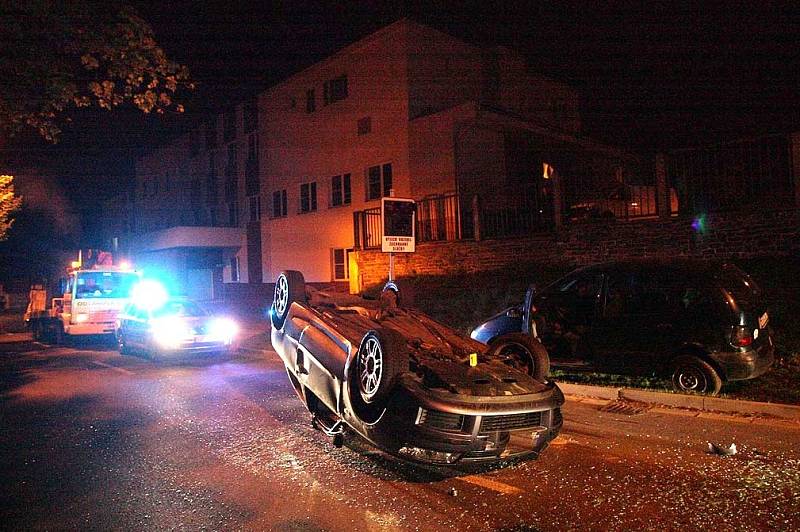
{"x":175,"y":328}
{"x":413,"y":387}
{"x":701,"y":324}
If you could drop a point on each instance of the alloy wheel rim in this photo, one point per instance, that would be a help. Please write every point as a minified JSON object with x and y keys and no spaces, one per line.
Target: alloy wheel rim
{"x":370,"y":365}
{"x":691,"y":379}
{"x":281,"y":295}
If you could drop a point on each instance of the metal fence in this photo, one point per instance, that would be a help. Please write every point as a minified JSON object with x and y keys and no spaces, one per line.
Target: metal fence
{"x":523,"y":212}
{"x":438,"y":218}
{"x":735,"y":175}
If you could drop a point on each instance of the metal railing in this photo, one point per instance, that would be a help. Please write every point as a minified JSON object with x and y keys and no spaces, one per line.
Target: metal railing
{"x":735,"y":175}
{"x":525,"y":210}
{"x":439,"y":218}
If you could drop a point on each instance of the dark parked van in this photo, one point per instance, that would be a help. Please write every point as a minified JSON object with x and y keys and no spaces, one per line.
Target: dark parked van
{"x":700,"y":324}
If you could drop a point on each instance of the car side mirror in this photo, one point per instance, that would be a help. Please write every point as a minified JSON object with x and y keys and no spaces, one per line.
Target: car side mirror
{"x":514,"y":313}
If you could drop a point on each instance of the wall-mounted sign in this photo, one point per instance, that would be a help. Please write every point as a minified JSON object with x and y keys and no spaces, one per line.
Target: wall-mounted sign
{"x":399,"y":227}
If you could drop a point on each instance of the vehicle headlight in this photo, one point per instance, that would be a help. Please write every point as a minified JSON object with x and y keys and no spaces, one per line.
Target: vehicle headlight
{"x":171,"y":331}
{"x":223,"y":330}
{"x":80,"y":318}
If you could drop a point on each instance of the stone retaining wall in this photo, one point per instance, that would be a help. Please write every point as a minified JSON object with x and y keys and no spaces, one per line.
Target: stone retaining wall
{"x":722,"y":236}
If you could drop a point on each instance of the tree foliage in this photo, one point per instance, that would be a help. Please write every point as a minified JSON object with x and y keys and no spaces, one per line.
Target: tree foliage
{"x":9,"y":203}
{"x":57,"y":55}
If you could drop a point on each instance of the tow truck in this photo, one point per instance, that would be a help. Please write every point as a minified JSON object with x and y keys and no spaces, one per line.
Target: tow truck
{"x":91,"y":295}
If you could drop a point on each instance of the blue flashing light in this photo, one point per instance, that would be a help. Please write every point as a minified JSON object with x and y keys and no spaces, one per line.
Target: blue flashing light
{"x":149,"y":294}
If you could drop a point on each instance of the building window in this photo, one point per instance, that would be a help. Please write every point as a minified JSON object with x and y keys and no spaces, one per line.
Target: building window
{"x":194,"y":143}
{"x":311,"y":101}
{"x":233,"y":214}
{"x":212,"y":179}
{"x":234,"y":263}
{"x":340,"y":190}
{"x":250,"y":116}
{"x":341,"y":267}
{"x":365,"y":125}
{"x":211,"y":136}
{"x":252,"y":146}
{"x":279,"y":204}
{"x":229,"y":124}
{"x":335,"y":89}
{"x":254,"y":203}
{"x":308,"y":197}
{"x":252,"y":183}
{"x":379,"y":181}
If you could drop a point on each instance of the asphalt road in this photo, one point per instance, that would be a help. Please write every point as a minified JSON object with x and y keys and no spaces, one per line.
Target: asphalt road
{"x":93,"y":440}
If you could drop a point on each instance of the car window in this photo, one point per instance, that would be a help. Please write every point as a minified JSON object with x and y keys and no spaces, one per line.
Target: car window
{"x":183,"y":308}
{"x":738,"y":285}
{"x":585,"y":285}
{"x":649,"y":293}
{"x":573,"y":300}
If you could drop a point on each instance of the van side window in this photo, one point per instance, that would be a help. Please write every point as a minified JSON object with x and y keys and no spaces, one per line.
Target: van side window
{"x":645,"y":294}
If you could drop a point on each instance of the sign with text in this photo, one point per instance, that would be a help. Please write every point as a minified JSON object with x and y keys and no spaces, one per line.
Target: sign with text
{"x":397,"y":218}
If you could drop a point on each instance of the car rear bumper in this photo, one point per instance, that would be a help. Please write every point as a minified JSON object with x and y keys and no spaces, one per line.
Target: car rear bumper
{"x":747,"y":364}
{"x":428,"y":428}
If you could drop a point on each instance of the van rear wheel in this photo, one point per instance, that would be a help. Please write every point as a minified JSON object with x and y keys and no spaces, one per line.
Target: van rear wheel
{"x":693,"y":374}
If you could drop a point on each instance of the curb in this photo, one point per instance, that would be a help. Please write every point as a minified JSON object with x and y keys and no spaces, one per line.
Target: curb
{"x":697,"y":402}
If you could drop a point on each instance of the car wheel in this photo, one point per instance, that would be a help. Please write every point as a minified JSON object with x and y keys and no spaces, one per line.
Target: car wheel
{"x":289,"y":287}
{"x":523,"y":352}
{"x":59,"y":337}
{"x":36,"y":331}
{"x":692,"y":374}
{"x":381,"y":358}
{"x":122,"y":345}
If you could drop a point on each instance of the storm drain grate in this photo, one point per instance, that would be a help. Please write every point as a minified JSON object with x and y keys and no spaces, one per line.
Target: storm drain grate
{"x":626,"y":408}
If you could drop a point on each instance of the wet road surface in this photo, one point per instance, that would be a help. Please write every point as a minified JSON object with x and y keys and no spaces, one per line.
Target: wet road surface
{"x":91,"y":439}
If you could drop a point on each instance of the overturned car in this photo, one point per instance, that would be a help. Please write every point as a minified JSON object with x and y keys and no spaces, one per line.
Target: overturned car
{"x":411,"y":386}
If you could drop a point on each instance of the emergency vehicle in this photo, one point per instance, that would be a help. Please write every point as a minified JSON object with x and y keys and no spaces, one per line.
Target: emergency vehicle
{"x":89,"y":299}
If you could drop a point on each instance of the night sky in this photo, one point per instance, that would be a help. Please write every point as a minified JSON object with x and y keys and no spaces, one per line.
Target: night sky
{"x":652,"y":76}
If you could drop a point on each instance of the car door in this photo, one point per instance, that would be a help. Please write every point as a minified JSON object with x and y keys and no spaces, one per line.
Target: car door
{"x":564,"y":313}
{"x":639,"y":322}
{"x":137,"y":326}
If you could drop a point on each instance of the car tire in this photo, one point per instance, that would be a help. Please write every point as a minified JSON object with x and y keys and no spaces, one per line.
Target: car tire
{"x":59,"y":337}
{"x":529,"y":352}
{"x":380,"y":360}
{"x":122,"y":346}
{"x":36,"y":331}
{"x":289,"y":287}
{"x":693,"y":374}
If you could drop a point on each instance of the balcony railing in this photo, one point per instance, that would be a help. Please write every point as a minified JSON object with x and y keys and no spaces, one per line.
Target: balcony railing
{"x":525,"y":211}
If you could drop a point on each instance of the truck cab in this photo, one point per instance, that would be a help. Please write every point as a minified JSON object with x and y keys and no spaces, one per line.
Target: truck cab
{"x":90,"y":297}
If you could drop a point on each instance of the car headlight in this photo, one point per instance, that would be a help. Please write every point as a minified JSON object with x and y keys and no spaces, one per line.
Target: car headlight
{"x":170,"y":331}
{"x":223,"y":330}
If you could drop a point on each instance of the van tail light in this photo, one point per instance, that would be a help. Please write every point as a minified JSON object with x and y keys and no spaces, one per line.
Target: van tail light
{"x":741,"y":336}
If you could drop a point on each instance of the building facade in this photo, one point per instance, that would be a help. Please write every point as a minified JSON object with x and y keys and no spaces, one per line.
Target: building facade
{"x":197,"y":202}
{"x":407,"y":111}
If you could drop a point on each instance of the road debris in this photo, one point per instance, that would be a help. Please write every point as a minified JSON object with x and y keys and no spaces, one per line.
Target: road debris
{"x":722,"y":450}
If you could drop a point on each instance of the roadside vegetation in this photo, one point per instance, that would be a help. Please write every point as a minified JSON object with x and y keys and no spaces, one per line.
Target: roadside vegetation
{"x":466,"y":299}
